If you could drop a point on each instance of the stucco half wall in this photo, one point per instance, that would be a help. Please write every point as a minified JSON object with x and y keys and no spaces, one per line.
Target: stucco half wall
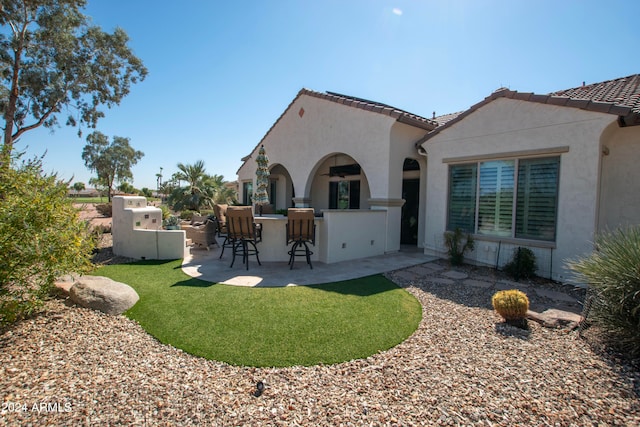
{"x":137,"y":231}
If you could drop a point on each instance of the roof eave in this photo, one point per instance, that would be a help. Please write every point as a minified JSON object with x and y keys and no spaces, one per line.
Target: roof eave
{"x":626,"y":115}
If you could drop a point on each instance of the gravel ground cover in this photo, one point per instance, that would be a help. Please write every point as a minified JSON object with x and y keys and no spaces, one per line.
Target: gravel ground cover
{"x":73,"y":366}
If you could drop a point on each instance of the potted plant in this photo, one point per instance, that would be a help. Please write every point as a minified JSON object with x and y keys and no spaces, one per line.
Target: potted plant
{"x":172,"y":222}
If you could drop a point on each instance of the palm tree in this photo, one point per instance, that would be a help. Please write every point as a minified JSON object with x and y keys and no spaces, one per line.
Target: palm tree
{"x":78,"y":186}
{"x":202,"y":190}
{"x":194,"y":174}
{"x":193,"y":195}
{"x":225,"y":193}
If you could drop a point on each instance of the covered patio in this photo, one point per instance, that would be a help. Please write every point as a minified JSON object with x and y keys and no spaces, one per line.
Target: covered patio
{"x":353,"y":161}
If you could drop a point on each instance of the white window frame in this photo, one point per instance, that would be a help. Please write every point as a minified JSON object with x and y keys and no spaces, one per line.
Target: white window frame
{"x":476,"y":162}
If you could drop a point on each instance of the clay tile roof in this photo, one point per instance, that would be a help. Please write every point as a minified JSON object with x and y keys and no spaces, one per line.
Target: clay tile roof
{"x":376,"y":107}
{"x":620,"y":97}
{"x":352,"y":101}
{"x":624,"y":91}
{"x":446,"y":118}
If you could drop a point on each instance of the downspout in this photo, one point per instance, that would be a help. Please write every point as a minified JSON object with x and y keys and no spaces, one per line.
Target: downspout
{"x":422,"y":152}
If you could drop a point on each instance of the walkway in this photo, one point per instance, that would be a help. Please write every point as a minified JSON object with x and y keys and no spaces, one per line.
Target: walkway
{"x":207,"y":266}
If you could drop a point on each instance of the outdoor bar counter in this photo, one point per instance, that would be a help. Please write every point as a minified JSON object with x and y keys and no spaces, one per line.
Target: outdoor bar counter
{"x":340,"y":235}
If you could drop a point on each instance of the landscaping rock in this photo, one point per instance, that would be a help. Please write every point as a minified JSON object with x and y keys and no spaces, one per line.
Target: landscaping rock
{"x":103,"y":294}
{"x":455,"y":275}
{"x":554,"y":318}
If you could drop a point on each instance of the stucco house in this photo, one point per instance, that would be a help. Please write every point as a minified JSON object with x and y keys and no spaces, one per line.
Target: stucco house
{"x":517,"y":169}
{"x":346,"y":157}
{"x":541,"y":171}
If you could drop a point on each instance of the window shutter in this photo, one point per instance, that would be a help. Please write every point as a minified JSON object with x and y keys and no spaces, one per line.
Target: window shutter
{"x":462,"y":198}
{"x":495,"y":207}
{"x":354,"y":194}
{"x":537,"y":198}
{"x":333,"y":195}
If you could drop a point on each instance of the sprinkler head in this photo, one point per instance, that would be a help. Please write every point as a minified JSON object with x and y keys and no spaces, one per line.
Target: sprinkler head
{"x":259,"y":389}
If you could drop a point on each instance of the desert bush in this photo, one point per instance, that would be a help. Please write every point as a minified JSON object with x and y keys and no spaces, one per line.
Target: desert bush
{"x":522,"y":265}
{"x":41,"y":238}
{"x":612,"y":271}
{"x":453,"y":240}
{"x":187,"y":214}
{"x":105,"y":209}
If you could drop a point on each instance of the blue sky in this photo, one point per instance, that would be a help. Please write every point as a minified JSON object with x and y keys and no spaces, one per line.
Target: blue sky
{"x":221,"y":73}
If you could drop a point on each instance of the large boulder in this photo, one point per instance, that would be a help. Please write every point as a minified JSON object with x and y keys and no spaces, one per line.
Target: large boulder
{"x":104,"y":294}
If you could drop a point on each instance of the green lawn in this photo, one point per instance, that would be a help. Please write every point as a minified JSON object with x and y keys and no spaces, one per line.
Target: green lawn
{"x":89,"y":199}
{"x":287,"y":326}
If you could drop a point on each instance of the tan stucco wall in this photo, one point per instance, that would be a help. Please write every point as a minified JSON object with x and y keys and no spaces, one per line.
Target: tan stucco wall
{"x":620,"y":198}
{"x":305,"y":144}
{"x":300,"y":144}
{"x":511,"y":126}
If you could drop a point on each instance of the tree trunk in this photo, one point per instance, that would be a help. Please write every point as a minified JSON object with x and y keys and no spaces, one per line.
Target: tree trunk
{"x":10,"y":112}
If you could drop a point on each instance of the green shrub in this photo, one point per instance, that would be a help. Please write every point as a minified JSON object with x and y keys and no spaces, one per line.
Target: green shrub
{"x":455,"y":247}
{"x":612,"y":270}
{"x":41,"y":238}
{"x":522,"y":265}
{"x":105,"y":209}
{"x":165,"y":211}
{"x":187,"y":214}
{"x":146,"y":192}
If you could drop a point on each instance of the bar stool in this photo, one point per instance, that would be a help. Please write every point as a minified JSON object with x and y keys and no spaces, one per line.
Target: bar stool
{"x":243,"y":233}
{"x":301,"y":230}
{"x":220,"y":212}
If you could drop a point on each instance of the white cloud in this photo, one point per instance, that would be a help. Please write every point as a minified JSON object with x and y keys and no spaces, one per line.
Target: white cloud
{"x":397,"y":11}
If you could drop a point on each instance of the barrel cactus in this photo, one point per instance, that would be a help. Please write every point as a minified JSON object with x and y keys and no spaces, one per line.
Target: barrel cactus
{"x":512,"y":305}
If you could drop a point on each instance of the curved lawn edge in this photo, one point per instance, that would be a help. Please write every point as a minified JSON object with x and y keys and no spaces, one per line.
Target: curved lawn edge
{"x":268,"y":327}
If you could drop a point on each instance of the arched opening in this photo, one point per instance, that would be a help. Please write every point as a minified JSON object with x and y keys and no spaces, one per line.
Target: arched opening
{"x":281,"y":192}
{"x":339,"y":183}
{"x":411,"y":209}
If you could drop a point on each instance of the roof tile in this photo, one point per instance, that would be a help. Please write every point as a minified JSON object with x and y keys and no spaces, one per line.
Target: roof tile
{"x":623,"y":91}
{"x":620,"y":97}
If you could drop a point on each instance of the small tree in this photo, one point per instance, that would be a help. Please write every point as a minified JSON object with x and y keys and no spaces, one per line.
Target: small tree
{"x":41,"y":238}
{"x":126,"y":188}
{"x":196,"y":193}
{"x":111,"y":162}
{"x":52,"y":58}
{"x":78,"y":187}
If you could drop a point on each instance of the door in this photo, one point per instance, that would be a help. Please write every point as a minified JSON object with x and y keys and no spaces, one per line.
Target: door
{"x":409,"y":220}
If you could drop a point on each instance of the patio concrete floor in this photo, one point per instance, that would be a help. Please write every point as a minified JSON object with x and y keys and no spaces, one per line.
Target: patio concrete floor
{"x":207,"y":266}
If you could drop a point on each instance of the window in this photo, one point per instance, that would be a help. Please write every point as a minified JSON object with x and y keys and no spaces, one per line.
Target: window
{"x":505,"y":198}
{"x":344,"y":195}
{"x":273,"y":185}
{"x":247,"y":193}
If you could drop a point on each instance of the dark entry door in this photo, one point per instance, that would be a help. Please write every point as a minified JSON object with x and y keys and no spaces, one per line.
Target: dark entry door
{"x":409,"y":221}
